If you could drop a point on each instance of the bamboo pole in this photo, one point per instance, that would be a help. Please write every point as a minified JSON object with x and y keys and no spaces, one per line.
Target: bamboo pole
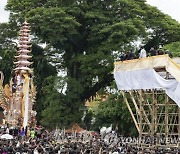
{"x":179,"y":128}
{"x":129,"y":108}
{"x":153,"y":115}
{"x":138,"y":110}
{"x":166,"y":117}
{"x":140,"y":117}
{"x":166,"y":113}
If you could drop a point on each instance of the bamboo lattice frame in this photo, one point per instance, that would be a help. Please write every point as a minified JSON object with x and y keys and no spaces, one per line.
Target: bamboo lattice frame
{"x":155,"y":115}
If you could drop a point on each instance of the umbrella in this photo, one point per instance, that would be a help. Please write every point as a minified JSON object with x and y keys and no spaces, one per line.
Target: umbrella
{"x":103,"y":130}
{"x":109,"y":129}
{"x":6,"y":136}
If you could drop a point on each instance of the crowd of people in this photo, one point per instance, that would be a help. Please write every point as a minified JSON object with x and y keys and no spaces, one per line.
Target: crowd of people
{"x":143,"y":53}
{"x":60,"y":142}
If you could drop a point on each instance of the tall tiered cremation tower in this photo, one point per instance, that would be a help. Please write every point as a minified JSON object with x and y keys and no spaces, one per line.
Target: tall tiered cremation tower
{"x":22,"y":91}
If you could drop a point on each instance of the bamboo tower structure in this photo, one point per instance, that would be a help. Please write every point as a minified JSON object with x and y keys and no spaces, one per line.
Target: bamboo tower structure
{"x":155,"y":111}
{"x":20,"y":94}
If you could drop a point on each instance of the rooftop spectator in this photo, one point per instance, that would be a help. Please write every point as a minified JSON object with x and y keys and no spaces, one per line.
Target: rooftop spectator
{"x":142,"y":53}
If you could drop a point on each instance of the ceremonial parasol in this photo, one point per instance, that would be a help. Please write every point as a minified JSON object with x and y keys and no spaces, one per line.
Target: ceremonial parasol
{"x":6,"y":136}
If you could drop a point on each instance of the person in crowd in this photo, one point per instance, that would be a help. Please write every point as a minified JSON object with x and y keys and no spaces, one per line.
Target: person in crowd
{"x":28,"y":133}
{"x":16,"y":131}
{"x":129,"y":55}
{"x":32,"y":134}
{"x":169,"y":53}
{"x":22,"y":133}
{"x":38,"y":132}
{"x":122,"y":57}
{"x":153,"y":52}
{"x":14,"y":86}
{"x":126,"y":57}
{"x":7,"y":129}
{"x":160,"y":51}
{"x":111,"y":143}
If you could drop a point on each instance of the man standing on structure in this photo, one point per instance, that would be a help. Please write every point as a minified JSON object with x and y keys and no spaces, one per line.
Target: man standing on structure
{"x":142,"y":53}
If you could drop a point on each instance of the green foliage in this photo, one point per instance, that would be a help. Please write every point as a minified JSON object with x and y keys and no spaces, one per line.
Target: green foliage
{"x":164,"y":29}
{"x":7,"y":50}
{"x":52,"y":114}
{"x":174,"y":47}
{"x":114,"y":111}
{"x":59,"y":109}
{"x":6,"y":63}
{"x":52,"y":22}
{"x":42,"y":70}
{"x":88,"y":120}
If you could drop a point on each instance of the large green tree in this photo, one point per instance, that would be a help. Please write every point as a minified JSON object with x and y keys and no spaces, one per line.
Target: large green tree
{"x":81,"y":37}
{"x":42,"y":70}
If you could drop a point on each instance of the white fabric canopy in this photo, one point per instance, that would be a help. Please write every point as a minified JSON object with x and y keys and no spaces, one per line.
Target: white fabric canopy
{"x":140,"y":74}
{"x":147,"y":79}
{"x":150,"y":63}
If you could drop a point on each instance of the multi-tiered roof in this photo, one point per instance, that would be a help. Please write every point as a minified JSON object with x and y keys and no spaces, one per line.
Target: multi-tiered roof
{"x":23,"y":62}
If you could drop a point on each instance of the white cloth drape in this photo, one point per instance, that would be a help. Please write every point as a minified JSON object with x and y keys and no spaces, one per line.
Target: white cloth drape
{"x":147,"y":79}
{"x":160,"y":61}
{"x":26,"y":101}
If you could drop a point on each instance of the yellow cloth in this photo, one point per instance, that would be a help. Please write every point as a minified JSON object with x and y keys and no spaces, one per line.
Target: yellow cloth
{"x":25,"y":89}
{"x":7,"y":90}
{"x":33,"y":88}
{"x":25,"y":103}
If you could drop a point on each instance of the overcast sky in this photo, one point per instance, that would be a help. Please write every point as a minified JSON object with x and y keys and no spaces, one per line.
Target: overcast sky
{"x":3,"y":14}
{"x":170,"y":7}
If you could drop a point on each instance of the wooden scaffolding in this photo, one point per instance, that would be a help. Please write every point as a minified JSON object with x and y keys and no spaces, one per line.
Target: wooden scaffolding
{"x":155,"y":115}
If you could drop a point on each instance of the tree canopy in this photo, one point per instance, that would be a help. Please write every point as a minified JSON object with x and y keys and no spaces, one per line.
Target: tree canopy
{"x":173,"y":47}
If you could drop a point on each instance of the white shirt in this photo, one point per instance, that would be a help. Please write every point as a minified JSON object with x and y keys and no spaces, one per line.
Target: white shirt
{"x":7,"y":130}
{"x":142,"y":53}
